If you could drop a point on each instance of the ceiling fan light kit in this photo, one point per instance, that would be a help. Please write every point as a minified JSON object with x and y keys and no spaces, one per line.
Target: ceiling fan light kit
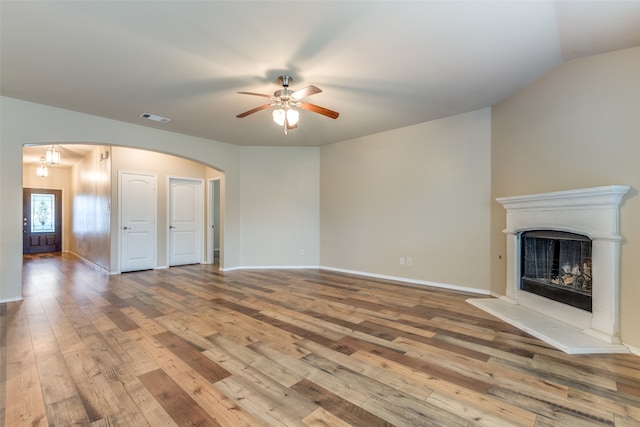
{"x":289,"y":115}
{"x":285,"y":99}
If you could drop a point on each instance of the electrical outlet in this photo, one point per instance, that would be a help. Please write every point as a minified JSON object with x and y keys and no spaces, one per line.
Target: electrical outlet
{"x":401,"y":260}
{"x":409,"y":261}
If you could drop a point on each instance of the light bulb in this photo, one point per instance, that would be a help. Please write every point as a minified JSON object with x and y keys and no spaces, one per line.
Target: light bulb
{"x":53,"y":156}
{"x":278,"y":116}
{"x":42,"y":169}
{"x":292,"y":117}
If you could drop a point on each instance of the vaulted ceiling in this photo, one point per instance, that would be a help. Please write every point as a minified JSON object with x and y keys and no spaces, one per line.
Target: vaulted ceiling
{"x":381,"y":64}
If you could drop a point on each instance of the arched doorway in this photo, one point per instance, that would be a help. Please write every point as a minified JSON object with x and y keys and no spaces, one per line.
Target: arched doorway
{"x":88,"y":174}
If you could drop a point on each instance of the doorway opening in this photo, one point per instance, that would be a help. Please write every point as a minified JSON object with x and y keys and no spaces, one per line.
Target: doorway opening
{"x":213,"y":240}
{"x":42,"y":221}
{"x":88,"y":177}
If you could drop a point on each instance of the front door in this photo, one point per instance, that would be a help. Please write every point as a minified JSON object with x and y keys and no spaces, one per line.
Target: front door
{"x":185,"y":221}
{"x":137,"y":221}
{"x":42,"y":221}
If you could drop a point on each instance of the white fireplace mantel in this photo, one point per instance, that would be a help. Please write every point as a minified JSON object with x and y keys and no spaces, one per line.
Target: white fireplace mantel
{"x":593,"y":212}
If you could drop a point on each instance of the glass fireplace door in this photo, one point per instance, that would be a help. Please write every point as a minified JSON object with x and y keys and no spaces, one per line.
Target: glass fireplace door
{"x":557,"y":265}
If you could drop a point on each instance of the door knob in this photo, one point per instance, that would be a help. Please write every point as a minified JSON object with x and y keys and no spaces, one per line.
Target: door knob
{"x":171,"y":227}
{"x":125,"y":228}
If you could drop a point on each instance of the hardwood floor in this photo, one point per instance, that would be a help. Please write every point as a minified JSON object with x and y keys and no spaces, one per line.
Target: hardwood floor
{"x":191,"y":346}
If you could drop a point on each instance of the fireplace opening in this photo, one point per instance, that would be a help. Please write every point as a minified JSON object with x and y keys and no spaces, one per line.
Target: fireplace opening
{"x":557,"y":265}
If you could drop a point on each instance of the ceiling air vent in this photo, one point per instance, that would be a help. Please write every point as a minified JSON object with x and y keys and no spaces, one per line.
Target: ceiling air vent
{"x":155,"y":118}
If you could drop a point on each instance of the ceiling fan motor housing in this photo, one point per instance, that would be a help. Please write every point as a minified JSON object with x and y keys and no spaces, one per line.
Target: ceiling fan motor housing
{"x":283,"y":94}
{"x":285,"y":80}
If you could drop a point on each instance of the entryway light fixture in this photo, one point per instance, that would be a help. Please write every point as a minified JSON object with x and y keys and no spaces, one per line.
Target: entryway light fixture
{"x":53,"y":156}
{"x":42,"y":170}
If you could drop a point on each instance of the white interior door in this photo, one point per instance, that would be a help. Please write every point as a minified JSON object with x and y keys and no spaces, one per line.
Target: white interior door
{"x":138,"y":213}
{"x":186,"y":212}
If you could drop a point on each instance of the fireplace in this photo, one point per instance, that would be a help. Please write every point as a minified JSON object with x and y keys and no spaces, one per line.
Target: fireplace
{"x":587,"y":222}
{"x":557,"y":265}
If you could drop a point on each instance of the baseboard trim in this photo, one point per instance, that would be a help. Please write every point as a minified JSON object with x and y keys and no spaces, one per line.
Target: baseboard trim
{"x":361,"y":273}
{"x":633,"y":350}
{"x":91,"y":264}
{"x":411,"y":281}
{"x":4,"y":301}
{"x":270,"y":267}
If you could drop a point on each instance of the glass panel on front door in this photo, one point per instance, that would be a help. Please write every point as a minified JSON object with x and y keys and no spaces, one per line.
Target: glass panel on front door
{"x":43,"y":213}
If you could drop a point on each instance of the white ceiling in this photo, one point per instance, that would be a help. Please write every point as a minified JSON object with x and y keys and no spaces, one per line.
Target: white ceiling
{"x":381,"y":64}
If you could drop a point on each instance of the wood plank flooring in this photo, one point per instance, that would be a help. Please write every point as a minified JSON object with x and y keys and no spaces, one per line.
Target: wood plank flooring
{"x":192,"y":346}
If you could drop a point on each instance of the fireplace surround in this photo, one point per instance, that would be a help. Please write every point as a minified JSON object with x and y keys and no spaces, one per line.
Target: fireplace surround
{"x":591,"y":212}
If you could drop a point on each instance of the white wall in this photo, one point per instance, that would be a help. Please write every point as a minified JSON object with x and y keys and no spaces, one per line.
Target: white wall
{"x":420,"y":192}
{"x":280,"y":206}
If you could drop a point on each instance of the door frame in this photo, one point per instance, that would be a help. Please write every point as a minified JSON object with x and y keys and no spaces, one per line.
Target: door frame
{"x":155,"y":209}
{"x":201,"y":222}
{"x":213,"y":214}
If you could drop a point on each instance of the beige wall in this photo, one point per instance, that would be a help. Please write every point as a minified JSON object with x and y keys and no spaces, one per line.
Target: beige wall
{"x":280,"y":208}
{"x":91,"y":213}
{"x":420,"y":192}
{"x":59,"y":179}
{"x":577,"y":127}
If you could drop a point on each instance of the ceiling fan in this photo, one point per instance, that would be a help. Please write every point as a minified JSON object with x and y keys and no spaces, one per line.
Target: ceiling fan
{"x":285,"y":99}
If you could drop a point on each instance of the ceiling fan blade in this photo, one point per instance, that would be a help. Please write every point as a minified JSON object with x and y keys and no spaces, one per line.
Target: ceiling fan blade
{"x":320,"y":110}
{"x":255,"y":110}
{"x":306,"y":91}
{"x":256,"y":94}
